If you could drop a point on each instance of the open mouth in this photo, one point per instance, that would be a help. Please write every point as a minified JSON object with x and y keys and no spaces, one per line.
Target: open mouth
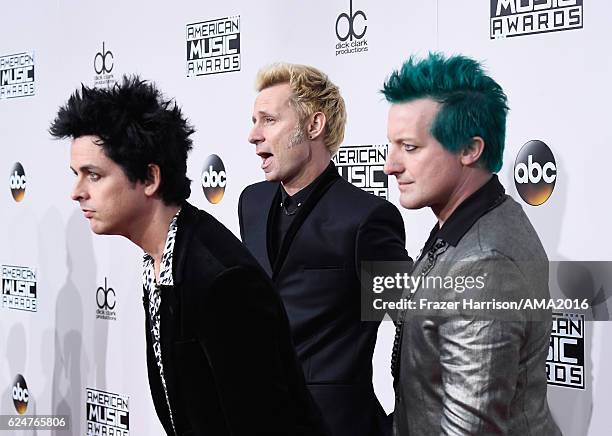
{"x":265,"y":159}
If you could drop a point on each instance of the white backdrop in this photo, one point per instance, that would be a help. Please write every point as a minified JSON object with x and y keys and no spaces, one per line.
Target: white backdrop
{"x":558,"y":87}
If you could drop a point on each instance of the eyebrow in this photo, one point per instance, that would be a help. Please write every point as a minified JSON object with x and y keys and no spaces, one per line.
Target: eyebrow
{"x":404,"y":139}
{"x":264,"y":114}
{"x":87,"y":169}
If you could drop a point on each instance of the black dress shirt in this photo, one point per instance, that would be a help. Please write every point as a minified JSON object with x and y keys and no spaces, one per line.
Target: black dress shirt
{"x":288,"y":209}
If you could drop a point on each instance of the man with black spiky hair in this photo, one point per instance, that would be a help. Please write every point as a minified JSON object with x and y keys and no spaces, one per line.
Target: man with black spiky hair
{"x":219,"y":351}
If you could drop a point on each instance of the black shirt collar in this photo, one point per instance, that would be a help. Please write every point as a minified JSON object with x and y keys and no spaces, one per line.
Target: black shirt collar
{"x":487,"y":197}
{"x":301,"y":196}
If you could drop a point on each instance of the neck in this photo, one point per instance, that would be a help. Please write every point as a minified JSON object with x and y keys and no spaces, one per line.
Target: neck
{"x":473,"y":181}
{"x":151,"y":232}
{"x":313,"y":169}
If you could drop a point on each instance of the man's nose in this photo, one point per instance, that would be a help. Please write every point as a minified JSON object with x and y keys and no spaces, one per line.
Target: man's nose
{"x":391,"y":166}
{"x":256,"y":136}
{"x":78,"y":192}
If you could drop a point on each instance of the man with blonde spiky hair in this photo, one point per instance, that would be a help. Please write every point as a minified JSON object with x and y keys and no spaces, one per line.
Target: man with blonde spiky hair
{"x":310,"y":230}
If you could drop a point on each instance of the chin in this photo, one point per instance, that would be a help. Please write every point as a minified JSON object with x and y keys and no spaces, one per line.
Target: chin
{"x":410,"y":203}
{"x":98,"y":229}
{"x":271,"y":177}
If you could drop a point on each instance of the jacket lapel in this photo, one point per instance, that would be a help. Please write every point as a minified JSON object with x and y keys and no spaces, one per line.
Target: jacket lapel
{"x":185,"y":224}
{"x":271,"y":223}
{"x":328,"y":178}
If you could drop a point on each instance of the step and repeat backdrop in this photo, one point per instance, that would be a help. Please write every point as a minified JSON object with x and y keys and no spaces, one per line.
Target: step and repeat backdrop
{"x":71,"y":320}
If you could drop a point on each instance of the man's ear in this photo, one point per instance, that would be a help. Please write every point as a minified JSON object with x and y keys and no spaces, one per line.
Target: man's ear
{"x":316,"y":124}
{"x":472,"y":152}
{"x":153,"y":180}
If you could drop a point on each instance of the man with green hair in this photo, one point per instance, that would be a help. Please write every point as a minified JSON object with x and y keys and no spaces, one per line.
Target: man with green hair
{"x":459,"y":369}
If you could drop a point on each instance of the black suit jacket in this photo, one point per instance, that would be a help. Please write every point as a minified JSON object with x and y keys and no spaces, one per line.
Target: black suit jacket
{"x":229,"y":362}
{"x":317,"y":275}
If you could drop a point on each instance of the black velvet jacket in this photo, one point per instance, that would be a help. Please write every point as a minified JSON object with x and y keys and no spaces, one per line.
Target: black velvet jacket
{"x":229,"y":362}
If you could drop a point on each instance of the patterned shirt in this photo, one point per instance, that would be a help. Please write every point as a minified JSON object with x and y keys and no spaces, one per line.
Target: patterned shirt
{"x":152,"y":288}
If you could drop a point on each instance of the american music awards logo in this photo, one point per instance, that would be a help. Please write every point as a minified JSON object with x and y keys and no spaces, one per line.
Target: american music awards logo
{"x":107,"y":413}
{"x":527,"y":17}
{"x":565,"y":361}
{"x":17,"y":77}
{"x":213,"y":46}
{"x":363,"y":166}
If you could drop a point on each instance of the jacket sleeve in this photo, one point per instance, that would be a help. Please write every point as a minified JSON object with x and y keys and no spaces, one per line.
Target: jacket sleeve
{"x":381,"y":237}
{"x":480,"y":352}
{"x":245,"y":337}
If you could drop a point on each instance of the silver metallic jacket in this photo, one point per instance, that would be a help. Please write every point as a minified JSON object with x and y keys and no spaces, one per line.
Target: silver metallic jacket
{"x":475,"y":372}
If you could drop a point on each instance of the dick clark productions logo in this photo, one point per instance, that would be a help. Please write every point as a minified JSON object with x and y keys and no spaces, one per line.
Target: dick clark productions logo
{"x":106,"y":299}
{"x":104,"y":62}
{"x":351,"y":28}
{"x":535,"y":172}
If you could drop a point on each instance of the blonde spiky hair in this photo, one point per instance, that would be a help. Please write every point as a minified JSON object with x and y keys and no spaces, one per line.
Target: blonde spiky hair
{"x":312,"y":92}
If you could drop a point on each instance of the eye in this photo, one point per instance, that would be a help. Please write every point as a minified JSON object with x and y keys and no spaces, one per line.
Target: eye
{"x":268,"y":120}
{"x":408,"y":147}
{"x":93,"y":177}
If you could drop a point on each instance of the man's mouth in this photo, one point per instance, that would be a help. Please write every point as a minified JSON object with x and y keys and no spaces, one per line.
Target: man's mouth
{"x":88,"y":213}
{"x":401,"y":185}
{"x":266,"y":159}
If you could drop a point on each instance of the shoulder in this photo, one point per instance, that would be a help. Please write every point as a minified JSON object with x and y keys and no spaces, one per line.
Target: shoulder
{"x":504,"y":251}
{"x":259,"y":189}
{"x":210,"y":246}
{"x":347,"y":197}
{"x":252,"y":197}
{"x":504,"y":231}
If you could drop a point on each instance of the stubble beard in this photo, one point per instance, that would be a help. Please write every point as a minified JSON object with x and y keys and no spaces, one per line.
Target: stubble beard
{"x":297,"y":137}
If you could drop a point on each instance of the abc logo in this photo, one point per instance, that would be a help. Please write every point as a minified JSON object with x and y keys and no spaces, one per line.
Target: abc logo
{"x":17,"y":182}
{"x":213,"y":178}
{"x":20,"y":394}
{"x":535,"y":172}
{"x":351,"y":19}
